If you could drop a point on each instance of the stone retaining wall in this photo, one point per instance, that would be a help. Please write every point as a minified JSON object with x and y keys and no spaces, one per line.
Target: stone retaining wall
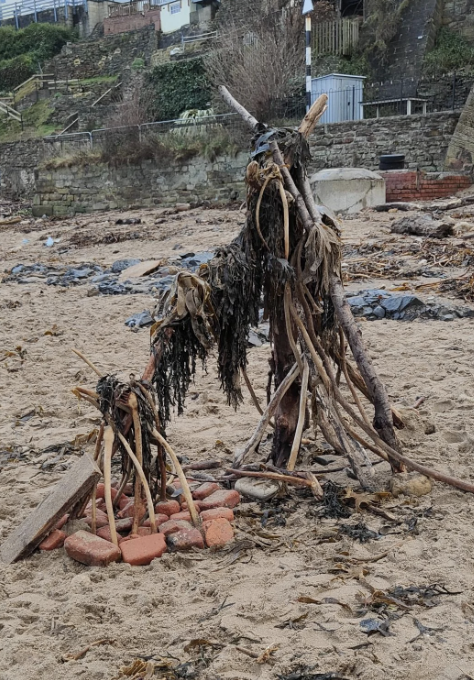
{"x":423,"y":139}
{"x":78,"y":189}
{"x":18,"y":161}
{"x":106,"y":57}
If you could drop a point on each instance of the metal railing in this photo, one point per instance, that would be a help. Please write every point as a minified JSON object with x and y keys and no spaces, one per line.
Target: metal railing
{"x":427,"y":97}
{"x":336,"y":37}
{"x":201,"y":37}
{"x":125,"y":10}
{"x":35,"y":7}
{"x":228,"y":121}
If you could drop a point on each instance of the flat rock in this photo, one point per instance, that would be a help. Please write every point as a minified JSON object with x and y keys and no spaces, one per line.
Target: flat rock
{"x":140,"y":269}
{"x":410,"y":484}
{"x":259,"y":489}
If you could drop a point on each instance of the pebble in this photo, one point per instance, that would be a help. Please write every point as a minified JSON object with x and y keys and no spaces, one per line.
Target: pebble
{"x":374,"y":304}
{"x":260,"y":489}
{"x":410,"y":484}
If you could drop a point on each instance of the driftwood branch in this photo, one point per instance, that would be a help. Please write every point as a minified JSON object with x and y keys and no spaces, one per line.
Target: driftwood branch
{"x":256,"y":438}
{"x":311,"y":119}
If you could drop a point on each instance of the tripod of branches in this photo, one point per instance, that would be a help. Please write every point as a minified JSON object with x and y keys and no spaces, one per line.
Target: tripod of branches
{"x":287,"y":259}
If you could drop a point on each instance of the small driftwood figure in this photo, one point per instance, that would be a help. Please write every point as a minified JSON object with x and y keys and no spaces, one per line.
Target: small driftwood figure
{"x":287,"y":259}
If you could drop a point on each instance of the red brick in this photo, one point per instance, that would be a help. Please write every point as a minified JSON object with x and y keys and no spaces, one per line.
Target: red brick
{"x":218,"y":513}
{"x":100,"y":503}
{"x":174,"y":525}
{"x":144,"y":549}
{"x":218,"y":532}
{"x":101,"y":518}
{"x":197,"y":505}
{"x":91,"y":550}
{"x":184,"y":514}
{"x":167,"y":507}
{"x":62,"y":522}
{"x":100,"y":493}
{"x":160,"y":519}
{"x":55,"y":540}
{"x":121,"y":526}
{"x":129,"y":509}
{"x":205,"y":490}
{"x":186,"y":539}
{"x":104,"y":532}
{"x":221,"y":499}
{"x":144,"y":531}
{"x":123,"y":502}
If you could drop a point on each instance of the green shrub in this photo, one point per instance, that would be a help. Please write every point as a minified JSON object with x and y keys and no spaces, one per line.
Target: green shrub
{"x":42,"y":40}
{"x":178,"y":86}
{"x":21,"y":51}
{"x":14,"y":71}
{"x":138,"y":63}
{"x":451,"y":52}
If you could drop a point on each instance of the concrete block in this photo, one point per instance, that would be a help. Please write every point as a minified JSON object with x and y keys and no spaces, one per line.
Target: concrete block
{"x":348,"y":189}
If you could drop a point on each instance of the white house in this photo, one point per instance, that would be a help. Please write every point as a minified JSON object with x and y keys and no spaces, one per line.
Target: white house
{"x":176,"y":14}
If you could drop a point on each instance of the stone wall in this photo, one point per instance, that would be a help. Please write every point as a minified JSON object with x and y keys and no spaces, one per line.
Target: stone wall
{"x":78,"y":189}
{"x":423,"y":139}
{"x":460,"y":153}
{"x":18,"y":161}
{"x":105,"y":57}
{"x":459,"y":17}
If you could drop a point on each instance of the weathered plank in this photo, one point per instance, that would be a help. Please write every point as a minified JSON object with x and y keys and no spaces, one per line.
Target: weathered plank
{"x":75,"y":484}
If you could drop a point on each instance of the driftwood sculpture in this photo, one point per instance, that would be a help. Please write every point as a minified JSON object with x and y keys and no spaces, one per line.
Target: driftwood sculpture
{"x":286,"y":261}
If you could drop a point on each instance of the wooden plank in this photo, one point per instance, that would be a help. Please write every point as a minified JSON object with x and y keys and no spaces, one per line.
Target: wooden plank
{"x":75,"y":484}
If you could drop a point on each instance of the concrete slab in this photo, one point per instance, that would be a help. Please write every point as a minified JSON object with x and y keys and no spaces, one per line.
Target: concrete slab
{"x":348,"y":189}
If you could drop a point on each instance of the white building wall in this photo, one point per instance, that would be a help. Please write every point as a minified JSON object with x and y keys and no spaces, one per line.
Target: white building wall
{"x":171,"y":19}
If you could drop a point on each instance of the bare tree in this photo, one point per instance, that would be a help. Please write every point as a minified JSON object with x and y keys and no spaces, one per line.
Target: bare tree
{"x":259,"y":53}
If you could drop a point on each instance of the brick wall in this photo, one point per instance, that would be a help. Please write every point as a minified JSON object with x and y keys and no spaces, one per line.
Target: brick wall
{"x":409,"y":185}
{"x":132,"y":22}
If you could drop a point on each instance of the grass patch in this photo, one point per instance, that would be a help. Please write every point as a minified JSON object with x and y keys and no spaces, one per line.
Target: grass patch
{"x":451,"y":52}
{"x":118,"y":150}
{"x":24,"y":91}
{"x":99,"y":79}
{"x":35,"y":124}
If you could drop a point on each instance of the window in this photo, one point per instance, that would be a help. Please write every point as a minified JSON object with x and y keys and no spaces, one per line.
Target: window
{"x":175,"y":7}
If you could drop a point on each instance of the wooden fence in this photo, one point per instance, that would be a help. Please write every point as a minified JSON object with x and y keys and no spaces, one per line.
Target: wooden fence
{"x":336,"y":37}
